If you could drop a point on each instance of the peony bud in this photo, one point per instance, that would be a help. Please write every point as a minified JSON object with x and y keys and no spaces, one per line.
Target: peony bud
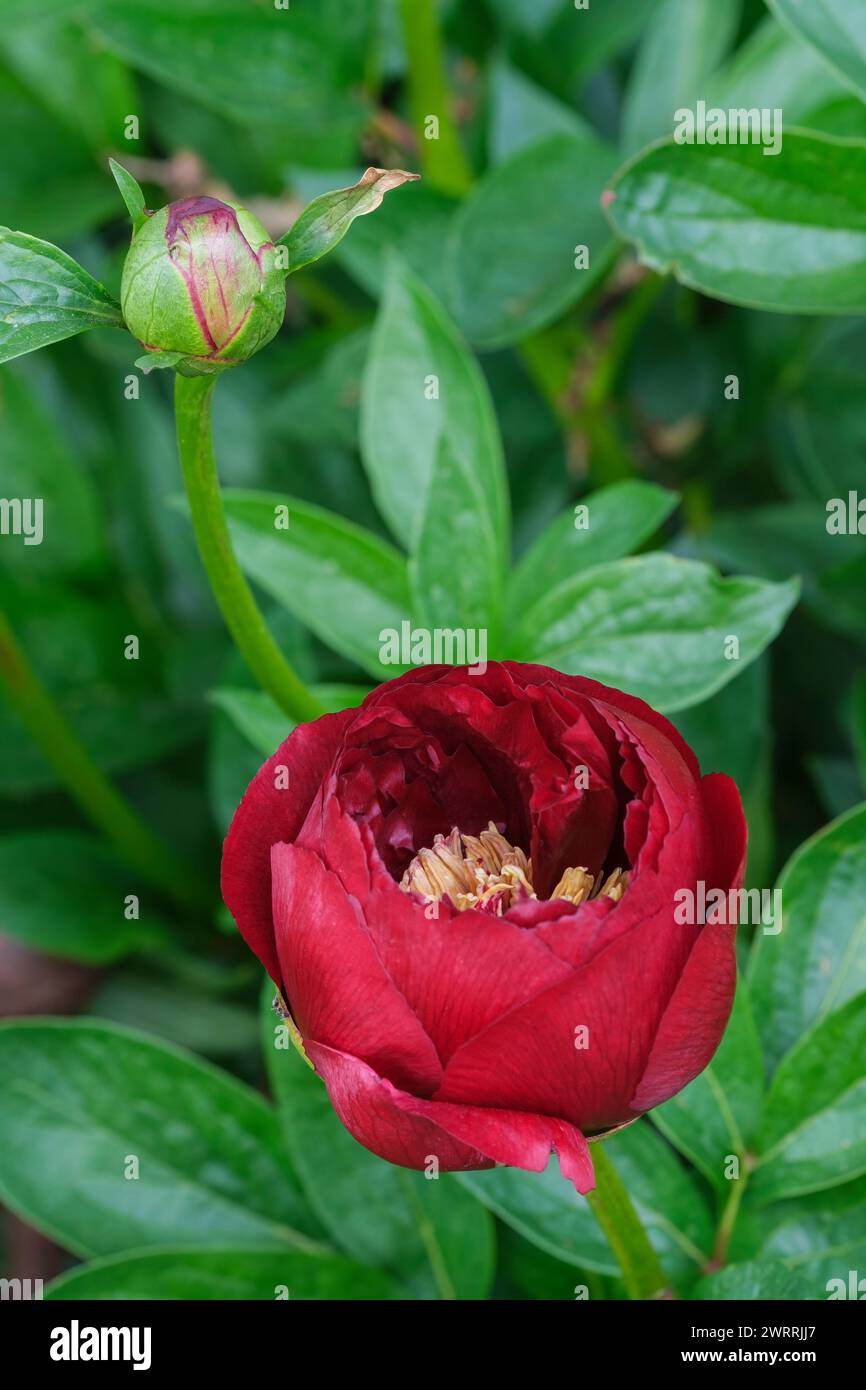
{"x":201,"y":280}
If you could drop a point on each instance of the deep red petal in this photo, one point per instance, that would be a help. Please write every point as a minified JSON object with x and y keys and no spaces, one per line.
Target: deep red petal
{"x":409,"y":1131}
{"x":266,"y":816}
{"x":336,"y":987}
{"x":699,"y":1007}
{"x":365,"y":1102}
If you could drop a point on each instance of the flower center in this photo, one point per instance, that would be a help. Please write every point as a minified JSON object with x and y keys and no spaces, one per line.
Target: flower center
{"x":485,"y":871}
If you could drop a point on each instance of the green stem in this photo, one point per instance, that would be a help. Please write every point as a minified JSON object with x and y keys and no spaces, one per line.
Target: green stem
{"x":98,"y":799}
{"x":193,"y":399}
{"x":443,"y":159}
{"x":612,"y":1207}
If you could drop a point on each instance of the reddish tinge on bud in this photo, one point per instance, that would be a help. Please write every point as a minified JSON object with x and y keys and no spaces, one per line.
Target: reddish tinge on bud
{"x":202,"y":280}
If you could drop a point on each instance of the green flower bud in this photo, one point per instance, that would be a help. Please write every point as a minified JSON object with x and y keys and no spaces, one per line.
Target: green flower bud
{"x":202,"y":279}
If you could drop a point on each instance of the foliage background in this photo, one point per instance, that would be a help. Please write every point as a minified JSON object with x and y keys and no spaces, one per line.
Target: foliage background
{"x":611,"y":378}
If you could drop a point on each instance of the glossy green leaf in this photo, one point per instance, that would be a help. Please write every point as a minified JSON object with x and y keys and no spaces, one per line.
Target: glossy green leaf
{"x":654,"y":626}
{"x":255,"y":63}
{"x":545,"y":1210}
{"x":822,"y":1234}
{"x":266,"y":1275}
{"x":817,"y":962}
{"x":835,"y":29}
{"x":717,"y":1113}
{"x":454,"y":568}
{"x":759,"y":1282}
{"x":813,"y":1131}
{"x":513,"y":249}
{"x":326,"y":220}
{"x":79,"y":1101}
{"x":684,"y":42}
{"x":773,"y":68}
{"x":730,"y":733}
{"x":606,"y":525}
{"x":423,"y":390}
{"x":784,"y":232}
{"x":340,"y":581}
{"x":430,"y":1233}
{"x":45,"y":296}
{"x":64,"y":893}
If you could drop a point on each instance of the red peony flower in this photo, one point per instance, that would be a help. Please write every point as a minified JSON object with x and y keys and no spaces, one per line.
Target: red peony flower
{"x":465,"y":892}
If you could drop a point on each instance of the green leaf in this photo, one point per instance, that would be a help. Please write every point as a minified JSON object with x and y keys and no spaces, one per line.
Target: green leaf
{"x":62,"y":892}
{"x":50,"y":181}
{"x":655,"y":626}
{"x":178,"y":1012}
{"x":299,"y":72}
{"x":45,"y":296}
{"x":835,"y":29}
{"x":340,"y":581}
{"x":326,"y":220}
{"x":430,"y":1233}
{"x":818,"y":424}
{"x":785,"y":232}
{"x":842,"y":593}
{"x":684,"y":42}
{"x":772,"y":68}
{"x":522,"y":113}
{"x":730,"y":733}
{"x":759,"y":1281}
{"x":415,"y":228}
{"x":548,"y":1212}
{"x":41,"y":463}
{"x":513,"y":246}
{"x":717,"y":1114}
{"x":68,"y":70}
{"x":454,"y":568}
{"x":76,"y":647}
{"x":816,"y":963}
{"x":822,"y":1234}
{"x":224,"y":1275}
{"x":813,"y":1131}
{"x":605,"y":526}
{"x":130,"y":192}
{"x":423,"y":390}
{"x":260,"y":719}
{"x":858,"y":721}
{"x":79,"y":1100}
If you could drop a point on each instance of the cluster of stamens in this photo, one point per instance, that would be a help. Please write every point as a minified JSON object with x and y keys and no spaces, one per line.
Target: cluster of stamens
{"x":485,"y":871}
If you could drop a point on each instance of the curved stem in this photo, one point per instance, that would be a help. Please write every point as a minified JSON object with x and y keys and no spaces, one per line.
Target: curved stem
{"x":99,"y":800}
{"x":193,"y":397}
{"x":442,"y":158}
{"x":613,"y":1210}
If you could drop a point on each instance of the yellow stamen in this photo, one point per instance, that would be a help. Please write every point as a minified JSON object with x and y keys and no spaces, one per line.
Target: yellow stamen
{"x":487,"y":871}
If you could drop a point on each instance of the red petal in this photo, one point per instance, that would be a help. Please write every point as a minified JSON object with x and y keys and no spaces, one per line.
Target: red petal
{"x":336,"y":987}
{"x":529,"y":1060}
{"x":698,"y":1010}
{"x":409,"y":1131}
{"x":266,"y":816}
